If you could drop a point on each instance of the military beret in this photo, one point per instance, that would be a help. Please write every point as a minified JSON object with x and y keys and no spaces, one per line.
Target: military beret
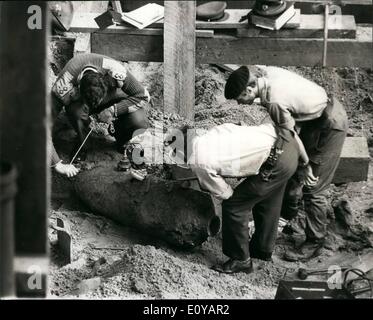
{"x":237,"y":82}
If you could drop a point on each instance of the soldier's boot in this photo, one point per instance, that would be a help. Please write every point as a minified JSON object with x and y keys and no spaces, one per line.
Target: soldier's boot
{"x":295,"y":227}
{"x":305,"y":252}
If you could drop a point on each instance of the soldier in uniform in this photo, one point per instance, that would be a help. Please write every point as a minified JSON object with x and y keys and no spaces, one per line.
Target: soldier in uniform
{"x":301,"y":106}
{"x":97,"y":84}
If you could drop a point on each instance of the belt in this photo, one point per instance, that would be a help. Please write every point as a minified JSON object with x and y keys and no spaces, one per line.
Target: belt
{"x":266,"y":170}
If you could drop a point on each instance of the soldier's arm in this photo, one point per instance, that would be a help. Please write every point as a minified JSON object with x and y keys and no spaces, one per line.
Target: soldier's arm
{"x":280,"y":115}
{"x":136,"y":94}
{"x":213,"y":183}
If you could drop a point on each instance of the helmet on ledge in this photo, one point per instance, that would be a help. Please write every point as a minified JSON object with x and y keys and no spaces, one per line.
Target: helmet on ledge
{"x":269,"y":7}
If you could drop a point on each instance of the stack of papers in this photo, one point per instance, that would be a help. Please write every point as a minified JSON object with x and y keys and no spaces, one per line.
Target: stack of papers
{"x":144,"y":16}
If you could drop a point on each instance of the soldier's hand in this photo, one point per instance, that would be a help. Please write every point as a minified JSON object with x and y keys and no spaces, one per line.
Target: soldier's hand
{"x":67,"y":170}
{"x":310,"y":179}
{"x":107,"y":115}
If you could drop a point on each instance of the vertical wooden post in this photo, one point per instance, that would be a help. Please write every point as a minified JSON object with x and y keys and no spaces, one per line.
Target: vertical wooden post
{"x":117,"y":6}
{"x":179,"y":57}
{"x":25,"y":111}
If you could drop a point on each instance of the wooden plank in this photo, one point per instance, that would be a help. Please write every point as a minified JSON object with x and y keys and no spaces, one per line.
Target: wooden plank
{"x":292,"y":52}
{"x":311,"y":26}
{"x":232,"y":22}
{"x":337,"y":2}
{"x":179,"y":57}
{"x":85,"y":23}
{"x":25,"y":112}
{"x":133,"y":4}
{"x":96,"y":7}
{"x":232,"y":50}
{"x":117,"y":6}
{"x":354,"y":163}
{"x":128,"y":47}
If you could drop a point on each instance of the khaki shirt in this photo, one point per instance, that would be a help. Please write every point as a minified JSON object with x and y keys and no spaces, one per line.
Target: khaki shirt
{"x":230,"y":150}
{"x":291,"y":98}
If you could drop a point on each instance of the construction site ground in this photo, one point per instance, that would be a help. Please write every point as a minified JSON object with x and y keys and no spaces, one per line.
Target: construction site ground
{"x":110,"y":261}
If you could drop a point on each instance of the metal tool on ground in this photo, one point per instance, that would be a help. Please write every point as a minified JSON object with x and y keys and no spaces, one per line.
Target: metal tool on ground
{"x":326,"y":27}
{"x":64,"y":239}
{"x":138,"y":174}
{"x":124,"y":164}
{"x":304,"y":273}
{"x":81,"y":146}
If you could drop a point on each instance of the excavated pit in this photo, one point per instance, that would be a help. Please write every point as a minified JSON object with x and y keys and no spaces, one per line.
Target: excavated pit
{"x":138,"y":266}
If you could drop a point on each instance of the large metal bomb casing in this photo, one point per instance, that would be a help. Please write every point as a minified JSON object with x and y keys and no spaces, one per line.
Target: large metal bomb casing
{"x":166,"y":209}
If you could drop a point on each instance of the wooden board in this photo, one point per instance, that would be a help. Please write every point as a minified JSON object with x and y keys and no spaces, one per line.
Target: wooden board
{"x":311,"y":26}
{"x":232,"y":22}
{"x":85,"y":23}
{"x":232,"y":50}
{"x":337,"y":2}
{"x":117,"y":6}
{"x":179,"y":57}
{"x":354,"y":164}
{"x":90,"y":6}
{"x":25,"y":112}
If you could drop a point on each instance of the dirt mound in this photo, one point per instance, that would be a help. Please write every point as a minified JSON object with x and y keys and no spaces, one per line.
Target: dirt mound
{"x":130,"y":268}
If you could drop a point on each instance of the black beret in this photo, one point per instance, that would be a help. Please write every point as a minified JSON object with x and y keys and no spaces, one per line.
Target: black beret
{"x":237,"y":82}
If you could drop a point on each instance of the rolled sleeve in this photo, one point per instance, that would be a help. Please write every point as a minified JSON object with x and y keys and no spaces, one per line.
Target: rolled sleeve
{"x":136,"y":96}
{"x":55,"y":159}
{"x":133,"y":88}
{"x":281,"y":116}
{"x":214,"y":183}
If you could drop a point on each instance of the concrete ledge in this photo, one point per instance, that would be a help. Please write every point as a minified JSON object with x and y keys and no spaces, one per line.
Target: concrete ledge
{"x":354,"y":163}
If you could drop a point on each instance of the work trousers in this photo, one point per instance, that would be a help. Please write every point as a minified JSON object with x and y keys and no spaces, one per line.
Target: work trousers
{"x":323,"y":139}
{"x":129,"y":125}
{"x":264,"y":199}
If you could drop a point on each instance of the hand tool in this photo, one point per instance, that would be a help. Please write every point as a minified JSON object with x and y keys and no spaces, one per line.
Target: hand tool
{"x":303,"y":273}
{"x":81,"y":146}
